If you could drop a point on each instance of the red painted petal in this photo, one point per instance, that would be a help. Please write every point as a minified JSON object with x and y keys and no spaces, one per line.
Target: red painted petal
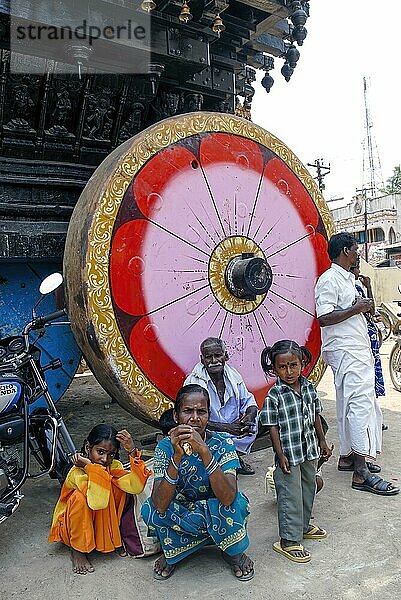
{"x":288,"y":184}
{"x":126,"y":267}
{"x":313,"y":344}
{"x":322,"y":258}
{"x":156,"y":175}
{"x":151,"y":358}
{"x":231,"y":149}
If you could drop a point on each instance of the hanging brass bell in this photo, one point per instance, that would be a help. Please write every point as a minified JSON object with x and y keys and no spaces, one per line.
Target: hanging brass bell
{"x":185,"y":14}
{"x":148,"y":5}
{"x":218,"y":25}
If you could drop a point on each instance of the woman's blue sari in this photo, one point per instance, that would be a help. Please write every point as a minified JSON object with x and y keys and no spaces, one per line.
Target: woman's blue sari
{"x":195,"y":517}
{"x":374,"y":344}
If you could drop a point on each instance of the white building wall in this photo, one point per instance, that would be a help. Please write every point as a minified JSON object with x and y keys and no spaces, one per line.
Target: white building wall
{"x":384,"y":212}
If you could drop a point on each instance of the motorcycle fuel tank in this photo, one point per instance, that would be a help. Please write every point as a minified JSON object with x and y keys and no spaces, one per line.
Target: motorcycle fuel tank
{"x":10,"y":393}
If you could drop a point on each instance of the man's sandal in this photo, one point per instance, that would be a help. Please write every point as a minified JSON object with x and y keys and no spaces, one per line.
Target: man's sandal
{"x":288,"y":549}
{"x":376,"y":485}
{"x":315,"y":533}
{"x":239,"y":562}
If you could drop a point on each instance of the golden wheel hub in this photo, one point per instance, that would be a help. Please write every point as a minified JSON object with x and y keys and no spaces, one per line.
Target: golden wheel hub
{"x":224,"y":252}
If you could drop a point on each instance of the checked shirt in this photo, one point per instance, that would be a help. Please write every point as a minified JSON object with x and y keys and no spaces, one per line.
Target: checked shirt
{"x":294,"y":415}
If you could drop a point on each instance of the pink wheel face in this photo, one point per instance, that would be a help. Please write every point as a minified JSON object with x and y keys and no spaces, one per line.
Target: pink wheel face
{"x":187,"y":212}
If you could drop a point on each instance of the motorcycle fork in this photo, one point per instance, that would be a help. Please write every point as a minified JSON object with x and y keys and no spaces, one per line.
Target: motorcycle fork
{"x":55,"y":416}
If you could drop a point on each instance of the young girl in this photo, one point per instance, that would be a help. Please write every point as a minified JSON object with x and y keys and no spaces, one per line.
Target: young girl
{"x":292,"y":413}
{"x":88,"y":513}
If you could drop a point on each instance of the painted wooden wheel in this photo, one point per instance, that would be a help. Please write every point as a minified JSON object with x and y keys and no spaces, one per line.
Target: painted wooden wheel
{"x":202,"y":225}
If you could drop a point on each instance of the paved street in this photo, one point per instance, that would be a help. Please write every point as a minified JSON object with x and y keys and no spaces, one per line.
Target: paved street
{"x":361,"y":558}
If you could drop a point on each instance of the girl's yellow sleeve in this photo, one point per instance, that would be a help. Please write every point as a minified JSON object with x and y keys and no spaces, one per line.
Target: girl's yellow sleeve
{"x":99,"y":485}
{"x":133,"y":481}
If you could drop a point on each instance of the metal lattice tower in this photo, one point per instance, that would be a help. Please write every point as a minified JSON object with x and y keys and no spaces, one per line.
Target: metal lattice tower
{"x":372,"y":181}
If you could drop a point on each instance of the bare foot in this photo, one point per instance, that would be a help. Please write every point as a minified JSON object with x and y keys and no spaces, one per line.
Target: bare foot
{"x":241,"y":565}
{"x":121,"y":552}
{"x":161,"y":569}
{"x":81,"y":563}
{"x":346,"y":461}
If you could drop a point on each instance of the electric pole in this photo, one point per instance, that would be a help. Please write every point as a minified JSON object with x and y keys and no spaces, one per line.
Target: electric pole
{"x":363,"y":194}
{"x":321,"y":171}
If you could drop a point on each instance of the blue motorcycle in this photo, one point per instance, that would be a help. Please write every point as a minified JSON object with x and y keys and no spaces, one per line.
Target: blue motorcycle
{"x":28,"y":428}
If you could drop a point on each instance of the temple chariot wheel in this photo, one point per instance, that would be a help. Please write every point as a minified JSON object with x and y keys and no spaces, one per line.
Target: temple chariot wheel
{"x":203,"y":225}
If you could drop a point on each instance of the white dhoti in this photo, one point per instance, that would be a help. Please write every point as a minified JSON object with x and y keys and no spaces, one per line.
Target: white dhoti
{"x":358,"y":413}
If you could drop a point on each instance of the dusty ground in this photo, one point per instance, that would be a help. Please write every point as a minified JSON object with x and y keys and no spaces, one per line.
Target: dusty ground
{"x":361,"y":559}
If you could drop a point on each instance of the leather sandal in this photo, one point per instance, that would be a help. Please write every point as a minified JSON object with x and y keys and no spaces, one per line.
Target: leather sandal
{"x":376,"y":485}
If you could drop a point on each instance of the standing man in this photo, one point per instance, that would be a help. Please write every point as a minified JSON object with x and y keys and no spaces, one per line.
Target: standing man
{"x":233,"y":408}
{"x":346,"y":348}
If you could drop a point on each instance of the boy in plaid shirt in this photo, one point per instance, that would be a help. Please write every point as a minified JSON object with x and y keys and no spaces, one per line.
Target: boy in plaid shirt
{"x":292,"y":412}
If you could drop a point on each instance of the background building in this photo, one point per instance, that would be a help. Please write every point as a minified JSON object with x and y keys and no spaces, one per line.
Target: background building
{"x":383,"y":223}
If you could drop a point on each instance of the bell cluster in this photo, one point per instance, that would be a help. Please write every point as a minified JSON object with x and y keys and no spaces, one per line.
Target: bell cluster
{"x":298,"y":15}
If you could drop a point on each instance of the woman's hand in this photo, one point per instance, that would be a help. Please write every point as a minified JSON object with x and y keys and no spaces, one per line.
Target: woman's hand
{"x":78,"y":460}
{"x":125,"y":439}
{"x":175,"y":439}
{"x":186,"y":433}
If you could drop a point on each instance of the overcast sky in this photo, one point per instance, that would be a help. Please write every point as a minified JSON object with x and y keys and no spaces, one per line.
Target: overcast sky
{"x":320,"y":112}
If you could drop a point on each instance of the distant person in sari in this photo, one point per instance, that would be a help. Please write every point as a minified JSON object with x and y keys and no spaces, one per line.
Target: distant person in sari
{"x":93,"y":497}
{"x":195,"y":501}
{"x":233,"y":408}
{"x":380,"y":389}
{"x":372,"y":331}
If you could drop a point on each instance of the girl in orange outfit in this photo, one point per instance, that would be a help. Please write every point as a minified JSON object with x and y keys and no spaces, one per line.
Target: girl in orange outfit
{"x":88,"y":513}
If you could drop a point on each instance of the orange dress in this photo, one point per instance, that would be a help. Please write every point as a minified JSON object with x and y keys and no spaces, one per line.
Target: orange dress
{"x":88,"y":513}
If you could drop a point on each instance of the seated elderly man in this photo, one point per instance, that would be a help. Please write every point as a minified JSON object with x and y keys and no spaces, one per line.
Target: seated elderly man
{"x":233,"y":408}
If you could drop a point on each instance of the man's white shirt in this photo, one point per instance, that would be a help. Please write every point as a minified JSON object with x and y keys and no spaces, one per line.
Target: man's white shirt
{"x":335,"y":289}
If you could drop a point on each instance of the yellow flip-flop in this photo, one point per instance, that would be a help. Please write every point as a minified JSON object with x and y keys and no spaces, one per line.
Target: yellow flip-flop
{"x":287,"y":552}
{"x":313,"y":534}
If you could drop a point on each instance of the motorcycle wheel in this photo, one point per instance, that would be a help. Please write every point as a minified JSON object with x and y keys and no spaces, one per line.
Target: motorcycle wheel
{"x":395,"y":367}
{"x":387,"y":324}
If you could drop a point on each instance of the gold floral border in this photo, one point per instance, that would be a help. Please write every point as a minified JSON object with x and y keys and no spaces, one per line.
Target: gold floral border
{"x":143,"y":147}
